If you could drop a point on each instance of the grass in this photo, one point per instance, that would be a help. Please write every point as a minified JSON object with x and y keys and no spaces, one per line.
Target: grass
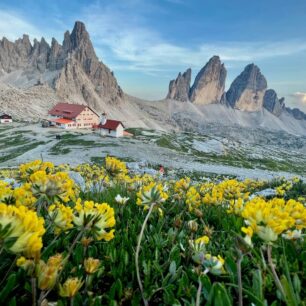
{"x":13,"y":141}
{"x":20,"y":150}
{"x":135,"y":131}
{"x":62,"y":147}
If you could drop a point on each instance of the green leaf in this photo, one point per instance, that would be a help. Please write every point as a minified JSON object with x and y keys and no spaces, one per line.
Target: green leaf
{"x":172,"y":268}
{"x":206,"y":285}
{"x":296,"y":283}
{"x":11,"y":282}
{"x":257,"y":284}
{"x":218,"y":296}
{"x":289,"y":293}
{"x":12,"y":302}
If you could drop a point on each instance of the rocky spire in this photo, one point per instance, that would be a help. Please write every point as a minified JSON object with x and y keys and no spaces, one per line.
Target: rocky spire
{"x":247,"y":90}
{"x":67,"y":47}
{"x":272,"y":103}
{"x":179,"y":88}
{"x":14,"y":55}
{"x":84,"y":66}
{"x":209,"y":84}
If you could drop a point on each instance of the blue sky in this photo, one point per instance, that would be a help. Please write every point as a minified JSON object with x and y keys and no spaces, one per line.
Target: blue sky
{"x":147,"y":42}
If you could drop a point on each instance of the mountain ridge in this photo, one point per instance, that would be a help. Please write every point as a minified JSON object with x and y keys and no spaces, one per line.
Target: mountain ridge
{"x":248,"y":92}
{"x":35,"y":76}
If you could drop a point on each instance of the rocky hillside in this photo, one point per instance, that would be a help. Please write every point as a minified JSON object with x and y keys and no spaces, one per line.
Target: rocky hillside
{"x":35,"y":76}
{"x":248,"y":92}
{"x":72,"y":68}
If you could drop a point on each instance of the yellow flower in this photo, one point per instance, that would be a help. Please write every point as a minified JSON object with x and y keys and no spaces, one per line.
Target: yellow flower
{"x":21,"y":261}
{"x":181,"y":187}
{"x":193,"y":198}
{"x":268,"y":219}
{"x":151,"y":193}
{"x":24,"y":196}
{"x":91,"y":265}
{"x":58,"y":185}
{"x":115,"y":167}
{"x":25,"y":228}
{"x":61,"y":216}
{"x":248,"y":231}
{"x":214,"y":264}
{"x":27,"y":169}
{"x":47,"y":273}
{"x":6,"y":193}
{"x":95,"y":217}
{"x":202,"y":240}
{"x":71,"y":287}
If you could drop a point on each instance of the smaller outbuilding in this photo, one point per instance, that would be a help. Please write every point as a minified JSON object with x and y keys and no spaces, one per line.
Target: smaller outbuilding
{"x":5,"y":118}
{"x":111,"y":128}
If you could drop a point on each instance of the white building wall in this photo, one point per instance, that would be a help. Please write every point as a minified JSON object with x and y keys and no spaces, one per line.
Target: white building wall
{"x":119,"y":131}
{"x":86,"y":119}
{"x":111,"y":133}
{"x":6,"y":120}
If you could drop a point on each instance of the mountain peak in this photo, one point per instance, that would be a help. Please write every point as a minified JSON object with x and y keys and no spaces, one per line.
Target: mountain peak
{"x":179,"y":88}
{"x":248,"y":89}
{"x":79,"y":35}
{"x":209,"y":84}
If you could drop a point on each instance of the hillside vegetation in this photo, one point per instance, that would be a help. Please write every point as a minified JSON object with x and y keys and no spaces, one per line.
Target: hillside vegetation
{"x":101,"y":235}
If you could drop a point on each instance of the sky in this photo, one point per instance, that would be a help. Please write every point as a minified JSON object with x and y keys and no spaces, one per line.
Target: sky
{"x":148,"y":42}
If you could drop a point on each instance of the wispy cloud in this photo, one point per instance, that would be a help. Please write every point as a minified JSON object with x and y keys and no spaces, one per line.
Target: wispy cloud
{"x":128,"y":43}
{"x":13,"y":25}
{"x":300,"y":97}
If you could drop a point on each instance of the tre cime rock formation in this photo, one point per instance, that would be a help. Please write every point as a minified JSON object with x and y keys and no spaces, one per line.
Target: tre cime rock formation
{"x":247,"y":91}
{"x":272,"y":103}
{"x":180,"y":87}
{"x":209,"y":84}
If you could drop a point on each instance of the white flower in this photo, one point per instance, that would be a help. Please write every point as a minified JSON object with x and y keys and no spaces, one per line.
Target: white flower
{"x":121,"y":200}
{"x":248,"y":240}
{"x":267,"y":234}
{"x":292,"y":235}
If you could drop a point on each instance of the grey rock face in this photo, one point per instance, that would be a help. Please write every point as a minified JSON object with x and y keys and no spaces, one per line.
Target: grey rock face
{"x":179,"y":88}
{"x":209,"y":84}
{"x":40,"y":57}
{"x":247,"y":90}
{"x":296,"y":113}
{"x":78,"y":179}
{"x":266,"y":193}
{"x":272,"y":103}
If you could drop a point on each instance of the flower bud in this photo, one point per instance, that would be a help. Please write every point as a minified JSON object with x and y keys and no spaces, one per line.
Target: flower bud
{"x":91,"y":265}
{"x":193,"y":225}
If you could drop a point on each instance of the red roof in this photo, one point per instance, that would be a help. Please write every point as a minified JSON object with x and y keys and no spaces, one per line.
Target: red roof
{"x":110,"y":125}
{"x":62,"y":121}
{"x":68,"y":110}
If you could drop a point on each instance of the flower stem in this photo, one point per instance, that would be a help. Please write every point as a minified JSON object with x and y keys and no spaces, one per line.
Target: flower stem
{"x":239,"y":280}
{"x":275,"y":276}
{"x":198,"y":299}
{"x":137,"y":253}
{"x":78,"y":237}
{"x":8,"y":271}
{"x":34,"y":290}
